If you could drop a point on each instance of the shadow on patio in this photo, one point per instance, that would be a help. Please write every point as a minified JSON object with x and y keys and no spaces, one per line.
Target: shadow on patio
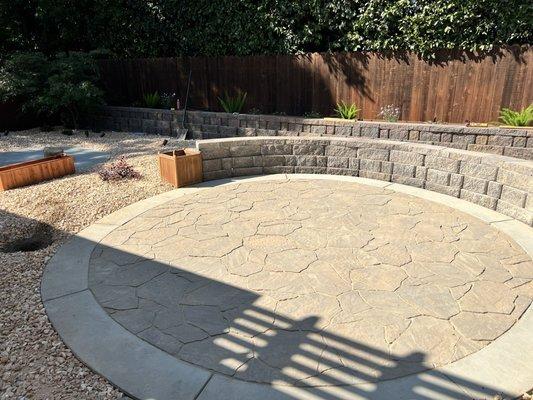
{"x":238,"y":333}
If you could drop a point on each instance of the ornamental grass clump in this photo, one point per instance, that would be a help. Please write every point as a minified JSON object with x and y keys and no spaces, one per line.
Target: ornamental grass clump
{"x":233,"y":104}
{"x":346,"y":111}
{"x":390,"y":113}
{"x":523,"y":117}
{"x":152,"y":100}
{"x":118,"y":171}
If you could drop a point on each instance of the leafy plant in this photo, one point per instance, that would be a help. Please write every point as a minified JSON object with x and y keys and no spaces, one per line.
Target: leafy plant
{"x":262,"y":26}
{"x":390,"y":113}
{"x":63,"y":85}
{"x":255,"y":111}
{"x":523,"y":117}
{"x":233,"y":104}
{"x":23,"y":78}
{"x":152,"y":100}
{"x":346,"y":111}
{"x":118,"y":170}
{"x":312,"y":114}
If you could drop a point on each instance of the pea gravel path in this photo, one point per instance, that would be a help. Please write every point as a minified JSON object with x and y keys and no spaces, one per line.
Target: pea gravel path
{"x":34,"y":363}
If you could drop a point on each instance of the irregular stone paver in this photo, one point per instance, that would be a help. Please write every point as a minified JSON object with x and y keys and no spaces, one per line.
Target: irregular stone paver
{"x":311,"y":283}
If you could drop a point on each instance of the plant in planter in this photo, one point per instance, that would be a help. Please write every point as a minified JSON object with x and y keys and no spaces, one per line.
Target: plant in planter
{"x":523,"y":117}
{"x":152,"y":100}
{"x":233,"y":104}
{"x":346,"y":111}
{"x":390,"y":113}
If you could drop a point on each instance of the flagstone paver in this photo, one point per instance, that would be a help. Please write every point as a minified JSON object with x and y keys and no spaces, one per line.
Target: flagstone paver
{"x":311,"y":283}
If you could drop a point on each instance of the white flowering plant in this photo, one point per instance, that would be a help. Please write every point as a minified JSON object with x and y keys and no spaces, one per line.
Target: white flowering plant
{"x":390,"y":113}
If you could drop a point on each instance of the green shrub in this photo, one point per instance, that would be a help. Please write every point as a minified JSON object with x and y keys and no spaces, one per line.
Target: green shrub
{"x":312,"y":114}
{"x":63,"y":85}
{"x":262,"y":26}
{"x":255,"y":111}
{"x":346,"y":111}
{"x":523,"y":117}
{"x":168,"y":100}
{"x":152,"y":100}
{"x":233,"y":104}
{"x":23,"y":78}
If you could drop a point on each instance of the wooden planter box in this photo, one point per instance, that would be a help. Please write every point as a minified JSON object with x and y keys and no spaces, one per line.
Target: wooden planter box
{"x":30,"y":172}
{"x":181,"y":167}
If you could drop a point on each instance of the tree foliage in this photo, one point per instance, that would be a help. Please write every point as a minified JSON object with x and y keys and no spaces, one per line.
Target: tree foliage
{"x":139,"y":28}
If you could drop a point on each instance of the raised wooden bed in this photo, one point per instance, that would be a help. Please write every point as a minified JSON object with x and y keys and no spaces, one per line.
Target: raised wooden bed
{"x":181,"y":167}
{"x":30,"y":172}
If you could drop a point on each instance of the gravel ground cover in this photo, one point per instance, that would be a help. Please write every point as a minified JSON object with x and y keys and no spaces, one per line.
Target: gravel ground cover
{"x":34,"y":363}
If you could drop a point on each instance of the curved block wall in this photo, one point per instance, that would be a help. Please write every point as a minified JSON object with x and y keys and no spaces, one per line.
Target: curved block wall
{"x":497,"y":182}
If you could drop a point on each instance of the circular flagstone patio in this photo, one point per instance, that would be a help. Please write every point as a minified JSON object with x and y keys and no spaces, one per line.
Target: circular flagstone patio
{"x":287,"y":281}
{"x":310,"y":283}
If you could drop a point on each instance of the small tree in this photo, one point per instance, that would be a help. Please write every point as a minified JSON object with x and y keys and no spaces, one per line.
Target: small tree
{"x":64,"y":85}
{"x":71,"y":88}
{"x":23,"y":78}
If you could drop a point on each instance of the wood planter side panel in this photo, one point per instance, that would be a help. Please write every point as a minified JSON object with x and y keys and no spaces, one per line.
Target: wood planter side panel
{"x":181,"y":167}
{"x":31,"y":172}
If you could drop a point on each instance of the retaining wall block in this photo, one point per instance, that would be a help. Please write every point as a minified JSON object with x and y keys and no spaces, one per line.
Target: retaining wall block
{"x":375,"y":175}
{"x":513,"y":196}
{"x":438,"y":177}
{"x":450,"y":191}
{"x":276,"y":149}
{"x":370,"y":131}
{"x":475,"y":184}
{"x":373,"y":154}
{"x":405,"y":170}
{"x":339,"y":150}
{"x":337,"y":162}
{"x":477,"y":198}
{"x":405,"y":157}
{"x":520,"y":214}
{"x":477,"y":170}
{"x":370,"y":165}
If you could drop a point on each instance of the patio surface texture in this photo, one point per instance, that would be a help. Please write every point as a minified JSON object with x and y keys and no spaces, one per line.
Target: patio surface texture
{"x":302,"y":288}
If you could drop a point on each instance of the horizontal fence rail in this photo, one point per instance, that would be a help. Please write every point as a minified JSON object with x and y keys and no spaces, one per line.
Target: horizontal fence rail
{"x":455,"y":87}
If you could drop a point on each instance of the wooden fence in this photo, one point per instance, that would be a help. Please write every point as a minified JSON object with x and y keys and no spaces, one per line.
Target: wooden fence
{"x":455,"y":87}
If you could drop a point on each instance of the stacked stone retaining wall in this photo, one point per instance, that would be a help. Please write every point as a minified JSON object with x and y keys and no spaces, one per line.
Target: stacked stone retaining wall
{"x":497,"y":182}
{"x":209,"y":125}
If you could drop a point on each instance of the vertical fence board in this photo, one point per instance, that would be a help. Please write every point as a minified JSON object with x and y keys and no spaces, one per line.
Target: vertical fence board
{"x":451,"y":88}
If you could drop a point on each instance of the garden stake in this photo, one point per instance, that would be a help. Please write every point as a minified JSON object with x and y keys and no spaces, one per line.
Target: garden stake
{"x":182,"y":132}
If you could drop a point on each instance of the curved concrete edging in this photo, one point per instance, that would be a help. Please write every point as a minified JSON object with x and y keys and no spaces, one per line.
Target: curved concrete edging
{"x":146,"y":372}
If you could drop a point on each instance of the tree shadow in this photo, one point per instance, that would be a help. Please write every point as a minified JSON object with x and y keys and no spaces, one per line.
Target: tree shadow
{"x":447,"y":86}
